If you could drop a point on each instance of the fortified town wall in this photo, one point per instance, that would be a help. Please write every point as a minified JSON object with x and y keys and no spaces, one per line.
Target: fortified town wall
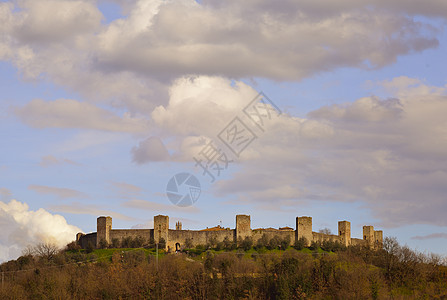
{"x":177,"y":238}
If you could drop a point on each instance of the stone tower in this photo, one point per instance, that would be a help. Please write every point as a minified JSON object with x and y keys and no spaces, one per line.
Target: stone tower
{"x":161,"y":228}
{"x":368,"y":235}
{"x":243,"y":228}
{"x":344,"y":232}
{"x":378,"y":238}
{"x":103,"y":228}
{"x":304,"y":229}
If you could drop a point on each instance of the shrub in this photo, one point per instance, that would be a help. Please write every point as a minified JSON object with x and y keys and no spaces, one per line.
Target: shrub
{"x":102,"y":244}
{"x":262,"y":242}
{"x":126,"y":242}
{"x":300,"y":243}
{"x":247,"y":243}
{"x":274,"y":242}
{"x":285,"y":243}
{"x":116,"y":243}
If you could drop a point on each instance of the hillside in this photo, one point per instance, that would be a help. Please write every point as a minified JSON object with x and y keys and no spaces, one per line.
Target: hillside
{"x":396,"y":272}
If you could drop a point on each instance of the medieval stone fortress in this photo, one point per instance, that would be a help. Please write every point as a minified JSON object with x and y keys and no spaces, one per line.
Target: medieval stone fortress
{"x":176,"y":239}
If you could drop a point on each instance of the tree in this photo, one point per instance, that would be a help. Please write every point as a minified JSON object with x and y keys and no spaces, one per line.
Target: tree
{"x":262,"y":242}
{"x":325,"y":231}
{"x":46,"y":250}
{"x":162,"y":243}
{"x":300,"y":243}
{"x":227,"y":243}
{"x":247,"y":243}
{"x":274,"y":242}
{"x":285,"y":243}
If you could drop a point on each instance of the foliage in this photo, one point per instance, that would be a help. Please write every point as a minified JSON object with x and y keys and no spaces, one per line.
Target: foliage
{"x":247,"y":243}
{"x":394,"y":272}
{"x":300,"y":243}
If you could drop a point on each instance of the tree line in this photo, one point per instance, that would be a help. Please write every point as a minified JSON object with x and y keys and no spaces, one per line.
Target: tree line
{"x":255,"y":272}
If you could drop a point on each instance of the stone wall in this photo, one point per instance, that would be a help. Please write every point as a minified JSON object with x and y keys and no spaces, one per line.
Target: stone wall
{"x":176,"y":239}
{"x":197,"y":237}
{"x":121,"y":234}
{"x":321,"y":237}
{"x":85,"y":239}
{"x":258,"y":234}
{"x":358,"y":242}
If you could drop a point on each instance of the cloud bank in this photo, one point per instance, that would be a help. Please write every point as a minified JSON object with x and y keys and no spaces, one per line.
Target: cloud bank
{"x":130,"y":62}
{"x":22,"y":227}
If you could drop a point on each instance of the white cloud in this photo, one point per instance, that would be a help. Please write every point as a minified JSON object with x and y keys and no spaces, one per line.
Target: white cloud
{"x":202,"y":105}
{"x":22,"y":226}
{"x":130,"y":62}
{"x":287,"y":41}
{"x":55,"y":20}
{"x":388,"y":153}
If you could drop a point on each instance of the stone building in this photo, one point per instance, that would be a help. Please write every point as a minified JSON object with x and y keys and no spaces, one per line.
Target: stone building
{"x":177,"y":238}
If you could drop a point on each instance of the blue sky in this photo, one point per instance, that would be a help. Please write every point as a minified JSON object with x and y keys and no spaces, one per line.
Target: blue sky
{"x":102,"y":102}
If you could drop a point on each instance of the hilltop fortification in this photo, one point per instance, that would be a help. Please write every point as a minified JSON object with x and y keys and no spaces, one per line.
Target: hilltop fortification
{"x":176,"y":239}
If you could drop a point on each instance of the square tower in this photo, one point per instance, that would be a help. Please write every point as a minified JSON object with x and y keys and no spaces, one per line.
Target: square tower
{"x":161,"y":228}
{"x":344,"y":232}
{"x":243,"y":227}
{"x":304,"y":229}
{"x":378,"y":238}
{"x":103,"y":228}
{"x":368,"y":235}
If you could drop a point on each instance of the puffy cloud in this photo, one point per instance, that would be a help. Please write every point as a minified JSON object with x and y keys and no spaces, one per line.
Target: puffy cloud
{"x":66,"y":113}
{"x":151,"y":149}
{"x":55,"y":20}
{"x":202,"y":105}
{"x":22,"y":226}
{"x":388,"y":153}
{"x":61,"y":193}
{"x":254,"y":38}
{"x":126,"y":63}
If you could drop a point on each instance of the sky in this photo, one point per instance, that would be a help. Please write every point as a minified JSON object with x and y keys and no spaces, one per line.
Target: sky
{"x":102,"y":102}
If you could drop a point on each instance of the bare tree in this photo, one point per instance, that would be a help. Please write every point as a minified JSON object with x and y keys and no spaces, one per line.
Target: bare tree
{"x":46,"y":250}
{"x":325,"y":231}
{"x":29,"y":250}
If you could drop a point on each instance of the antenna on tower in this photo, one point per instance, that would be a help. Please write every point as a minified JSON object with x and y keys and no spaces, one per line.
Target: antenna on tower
{"x":220,"y":223}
